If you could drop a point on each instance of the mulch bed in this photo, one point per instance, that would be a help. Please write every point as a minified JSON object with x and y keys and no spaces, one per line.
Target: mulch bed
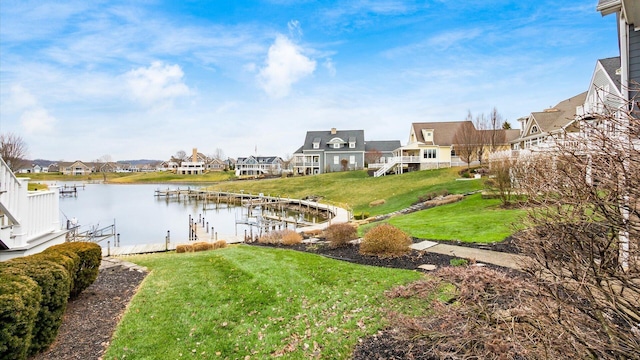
{"x":90,"y":319}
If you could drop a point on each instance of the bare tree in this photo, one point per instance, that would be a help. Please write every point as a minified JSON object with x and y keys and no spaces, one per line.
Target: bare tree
{"x":500,"y":181}
{"x":218,"y":154}
{"x":465,"y":140}
{"x":482,"y":136}
{"x":286,"y":161}
{"x":179,"y":157}
{"x":495,"y":124}
{"x":584,"y":232}
{"x":13,"y":150}
{"x":372,"y":156}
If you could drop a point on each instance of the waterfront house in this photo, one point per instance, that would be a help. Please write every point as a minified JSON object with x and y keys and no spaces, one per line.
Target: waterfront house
{"x":258,"y":165}
{"x":215,"y":165}
{"x":29,"y":220}
{"x":75,"y":168}
{"x":329,"y":151}
{"x":193,"y":165}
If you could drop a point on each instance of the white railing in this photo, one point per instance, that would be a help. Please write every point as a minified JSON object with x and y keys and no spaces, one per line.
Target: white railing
{"x":388,"y":166}
{"x":25,"y":216}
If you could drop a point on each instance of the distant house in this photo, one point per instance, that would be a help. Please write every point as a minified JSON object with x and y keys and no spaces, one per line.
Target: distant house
{"x":380,"y":151}
{"x":194,"y":166}
{"x":328,"y":151}
{"x":108,"y":167}
{"x":53,"y":168}
{"x":258,"y":165}
{"x":215,"y":165}
{"x":75,"y":168}
{"x":432,"y":145}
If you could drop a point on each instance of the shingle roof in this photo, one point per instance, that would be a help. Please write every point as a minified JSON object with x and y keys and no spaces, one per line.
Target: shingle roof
{"x":560,"y":115}
{"x":611,"y":66}
{"x":323,"y":137}
{"x":443,"y":132}
{"x":382,"y":145}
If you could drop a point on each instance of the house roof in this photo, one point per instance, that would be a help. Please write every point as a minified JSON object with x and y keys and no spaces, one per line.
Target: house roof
{"x":259,"y":159}
{"x":559,"y":116}
{"x":382,"y":145}
{"x":325,"y":137}
{"x":611,"y":66}
{"x":631,"y":9}
{"x":443,"y":132}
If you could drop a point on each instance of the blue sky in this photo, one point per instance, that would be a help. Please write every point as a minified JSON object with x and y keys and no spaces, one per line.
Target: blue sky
{"x":144,"y":79}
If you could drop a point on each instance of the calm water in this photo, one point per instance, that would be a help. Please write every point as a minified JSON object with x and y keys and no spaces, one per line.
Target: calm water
{"x":140,"y":217}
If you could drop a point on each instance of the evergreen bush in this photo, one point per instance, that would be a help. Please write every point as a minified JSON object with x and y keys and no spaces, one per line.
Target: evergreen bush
{"x":339,"y":235}
{"x":54,"y":282}
{"x":90,"y":256}
{"x":20,"y":298}
{"x":385,"y":240}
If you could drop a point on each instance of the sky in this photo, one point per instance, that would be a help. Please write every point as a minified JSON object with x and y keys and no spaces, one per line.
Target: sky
{"x":81,"y":80}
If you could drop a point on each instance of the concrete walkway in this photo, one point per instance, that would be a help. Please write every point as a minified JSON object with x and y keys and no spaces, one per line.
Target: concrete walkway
{"x":512,"y":261}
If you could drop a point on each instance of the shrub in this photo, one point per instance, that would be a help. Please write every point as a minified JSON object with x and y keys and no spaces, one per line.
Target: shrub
{"x":385,"y":240}
{"x":65,"y":257}
{"x":202,"y":246}
{"x":377,"y":203}
{"x":90,"y":256}
{"x":432,"y":195}
{"x":312,"y":233}
{"x":54,"y":282}
{"x":458,"y":262}
{"x":339,"y":235}
{"x":220,"y":244}
{"x":20,"y":298}
{"x":272,"y":237}
{"x":291,"y":237}
{"x":184,"y":248}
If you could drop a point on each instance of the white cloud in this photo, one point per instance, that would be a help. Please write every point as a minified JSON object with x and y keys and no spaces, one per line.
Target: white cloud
{"x":157,"y":83}
{"x":294,"y":28}
{"x":21,"y":99}
{"x":330,"y":66}
{"x":37,"y":120}
{"x":285,"y":65}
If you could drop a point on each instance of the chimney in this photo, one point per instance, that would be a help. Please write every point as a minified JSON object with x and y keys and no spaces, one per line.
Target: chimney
{"x":194,"y":157}
{"x":333,"y":131}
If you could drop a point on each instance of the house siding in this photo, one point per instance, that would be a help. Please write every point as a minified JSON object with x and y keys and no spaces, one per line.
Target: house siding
{"x":600,"y":80}
{"x":634,"y":56}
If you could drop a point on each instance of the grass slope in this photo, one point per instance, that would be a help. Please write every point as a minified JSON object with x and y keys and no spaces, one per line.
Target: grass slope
{"x":356,"y":189}
{"x":169,"y":177}
{"x":250,"y":301}
{"x":471,"y":220}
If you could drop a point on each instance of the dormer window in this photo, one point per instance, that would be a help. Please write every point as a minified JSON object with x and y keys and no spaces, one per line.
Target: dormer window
{"x":316,"y":143}
{"x":534,"y":129}
{"x":336,"y":146}
{"x":352,"y":142}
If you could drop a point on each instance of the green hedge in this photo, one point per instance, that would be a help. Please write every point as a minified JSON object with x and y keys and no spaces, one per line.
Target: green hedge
{"x":90,"y":256}
{"x":19,"y":305}
{"x":34,"y":291}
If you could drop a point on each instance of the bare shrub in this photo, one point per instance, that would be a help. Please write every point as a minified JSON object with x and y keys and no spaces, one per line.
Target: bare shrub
{"x":290,"y":237}
{"x":202,"y":246}
{"x":284,"y":237}
{"x":377,"y":203}
{"x":495,"y":316}
{"x":339,"y":235}
{"x":312,"y":233}
{"x":584,"y":231}
{"x":220,"y":244}
{"x":184,"y":248}
{"x":385,"y":240}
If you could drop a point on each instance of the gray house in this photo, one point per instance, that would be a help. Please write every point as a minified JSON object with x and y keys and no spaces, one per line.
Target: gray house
{"x":380,"y":151}
{"x":329,"y":151}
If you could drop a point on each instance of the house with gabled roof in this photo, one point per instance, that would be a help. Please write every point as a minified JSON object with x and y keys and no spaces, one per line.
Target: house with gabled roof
{"x":379,"y":151}
{"x":329,"y":151}
{"x":540,"y":129}
{"x":75,"y":168}
{"x":258,"y":166}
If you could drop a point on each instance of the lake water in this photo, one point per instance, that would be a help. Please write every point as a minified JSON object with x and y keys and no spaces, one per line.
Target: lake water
{"x":140,"y":217}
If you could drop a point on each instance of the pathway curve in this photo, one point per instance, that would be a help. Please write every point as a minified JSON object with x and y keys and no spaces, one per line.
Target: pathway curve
{"x":512,"y":261}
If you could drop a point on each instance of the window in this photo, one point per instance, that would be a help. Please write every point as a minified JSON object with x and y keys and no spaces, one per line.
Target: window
{"x":316,"y":145}
{"x":352,"y":159}
{"x":453,"y":152}
{"x":534,"y":129}
{"x":336,"y":146}
{"x":352,"y":145}
{"x":430,"y":153}
{"x":336,"y":160}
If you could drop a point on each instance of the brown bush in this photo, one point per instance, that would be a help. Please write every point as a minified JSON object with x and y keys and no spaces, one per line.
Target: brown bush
{"x":291,"y":237}
{"x":220,"y":244}
{"x":272,"y":237}
{"x":496,"y":316}
{"x":377,"y":203}
{"x":184,"y":248}
{"x":312,"y":233}
{"x":385,"y":240}
{"x":202,"y":246}
{"x":339,"y":235}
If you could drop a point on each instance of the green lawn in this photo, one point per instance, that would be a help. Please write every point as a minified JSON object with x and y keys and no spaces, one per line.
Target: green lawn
{"x":251,"y":301}
{"x":355,"y":189}
{"x":471,"y":220}
{"x":169,"y":177}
